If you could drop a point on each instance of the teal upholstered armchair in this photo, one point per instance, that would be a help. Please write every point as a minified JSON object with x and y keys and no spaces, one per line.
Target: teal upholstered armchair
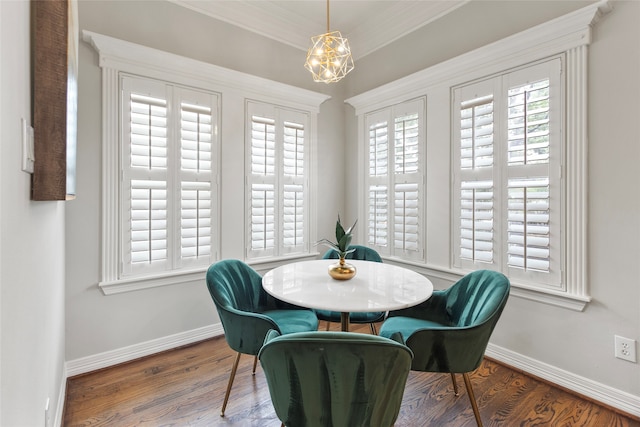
{"x":450,"y":331}
{"x":361,"y":253}
{"x":247,"y":312}
{"x":335,"y":379}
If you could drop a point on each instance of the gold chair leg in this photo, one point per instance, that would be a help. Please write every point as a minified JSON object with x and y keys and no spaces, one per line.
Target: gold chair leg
{"x":472,"y":398}
{"x":255,"y":363}
{"x":231,"y":377}
{"x":455,"y":384}
{"x":373,"y":329}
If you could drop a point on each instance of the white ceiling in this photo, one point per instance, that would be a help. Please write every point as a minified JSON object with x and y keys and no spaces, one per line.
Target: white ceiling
{"x":368,"y":24}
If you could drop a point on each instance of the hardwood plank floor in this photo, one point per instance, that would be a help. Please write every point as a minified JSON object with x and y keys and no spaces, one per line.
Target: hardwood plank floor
{"x":185,"y":387}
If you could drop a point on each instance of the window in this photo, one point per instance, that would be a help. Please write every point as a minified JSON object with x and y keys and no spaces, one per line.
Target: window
{"x":180,"y":98}
{"x":167,"y":192}
{"x":278,"y":181}
{"x":507,"y":152}
{"x":526,"y":214}
{"x":395,"y":178}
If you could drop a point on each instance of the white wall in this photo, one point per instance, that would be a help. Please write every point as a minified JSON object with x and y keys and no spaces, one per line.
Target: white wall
{"x":578,"y":344}
{"x":31,"y":251}
{"x":98,"y":324}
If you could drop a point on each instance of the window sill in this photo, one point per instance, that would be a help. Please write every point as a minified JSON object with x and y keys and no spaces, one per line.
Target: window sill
{"x":155,"y":281}
{"x":182,"y":277}
{"x":547,"y":296}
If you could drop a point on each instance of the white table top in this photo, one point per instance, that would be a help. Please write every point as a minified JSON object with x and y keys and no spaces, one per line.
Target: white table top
{"x":376,"y":286}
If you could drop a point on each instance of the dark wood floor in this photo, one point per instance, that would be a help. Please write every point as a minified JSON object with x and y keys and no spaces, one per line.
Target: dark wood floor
{"x":185,"y":387}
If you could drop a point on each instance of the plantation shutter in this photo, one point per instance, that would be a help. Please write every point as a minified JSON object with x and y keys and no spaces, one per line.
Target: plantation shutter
{"x":145,"y":242}
{"x":293,"y":174}
{"x":278,"y":181}
{"x":167,"y":196}
{"x":476,"y":194}
{"x":408,"y":177}
{"x":263,"y":185}
{"x":197,"y":133}
{"x":395,"y":180}
{"x":378,"y":209}
{"x":507,"y":152}
{"x":533,"y":153}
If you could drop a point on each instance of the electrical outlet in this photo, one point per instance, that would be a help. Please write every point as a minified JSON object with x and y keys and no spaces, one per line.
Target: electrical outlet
{"x":625,"y":348}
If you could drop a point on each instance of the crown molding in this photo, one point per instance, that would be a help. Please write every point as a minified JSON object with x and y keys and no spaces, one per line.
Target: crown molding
{"x":272,"y":20}
{"x":550,"y":38}
{"x":134,"y":58}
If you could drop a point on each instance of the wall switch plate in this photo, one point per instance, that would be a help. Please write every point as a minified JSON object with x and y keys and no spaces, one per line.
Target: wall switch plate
{"x":27,"y":147}
{"x":625,"y":348}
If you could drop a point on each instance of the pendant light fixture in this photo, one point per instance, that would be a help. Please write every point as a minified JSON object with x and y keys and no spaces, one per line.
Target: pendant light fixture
{"x":329,"y":58}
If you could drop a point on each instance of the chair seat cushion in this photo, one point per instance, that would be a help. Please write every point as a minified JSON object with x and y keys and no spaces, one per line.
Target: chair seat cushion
{"x":407,"y":326}
{"x":290,"y":321}
{"x":334,"y":316}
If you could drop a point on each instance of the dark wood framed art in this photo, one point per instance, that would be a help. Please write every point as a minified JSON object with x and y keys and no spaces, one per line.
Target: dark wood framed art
{"x":54,"y":61}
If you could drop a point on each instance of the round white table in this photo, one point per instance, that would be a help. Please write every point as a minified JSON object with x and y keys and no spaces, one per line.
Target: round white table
{"x":376,"y":287}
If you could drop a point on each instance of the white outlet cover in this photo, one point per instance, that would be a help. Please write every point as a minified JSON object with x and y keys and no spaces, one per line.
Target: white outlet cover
{"x":625,"y":348}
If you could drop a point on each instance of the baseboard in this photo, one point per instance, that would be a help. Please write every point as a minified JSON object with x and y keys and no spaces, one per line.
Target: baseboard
{"x":62,"y":393}
{"x":127,"y":354}
{"x":602,"y":393}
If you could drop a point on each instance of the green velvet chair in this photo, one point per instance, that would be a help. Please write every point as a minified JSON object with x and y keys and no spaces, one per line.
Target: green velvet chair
{"x":247,"y":312}
{"x":335,"y":379}
{"x":450,"y":331}
{"x":361,"y":253}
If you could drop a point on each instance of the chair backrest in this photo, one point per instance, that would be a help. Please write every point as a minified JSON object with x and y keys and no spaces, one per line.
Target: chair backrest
{"x":234,"y":284}
{"x":361,"y":253}
{"x":337,"y":379}
{"x":236,"y":290}
{"x":473,"y":306}
{"x":478,"y":297}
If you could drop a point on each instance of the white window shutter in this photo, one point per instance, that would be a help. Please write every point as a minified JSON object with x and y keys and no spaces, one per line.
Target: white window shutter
{"x":196,"y":137}
{"x":145,"y":232}
{"x":477,"y":217}
{"x":395,"y":180}
{"x":263,"y":213}
{"x":507,"y":157}
{"x":277,"y":183}
{"x":533,"y":184}
{"x":475,"y":198}
{"x":378,"y":214}
{"x":168,"y":138}
{"x":197,"y":134}
{"x":263,"y":217}
{"x":378,"y":219}
{"x":148,"y":222}
{"x":293,"y":194}
{"x":195,"y":220}
{"x":408,"y":179}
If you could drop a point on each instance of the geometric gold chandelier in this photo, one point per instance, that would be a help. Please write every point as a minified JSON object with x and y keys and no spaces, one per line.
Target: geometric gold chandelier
{"x":329,"y":58}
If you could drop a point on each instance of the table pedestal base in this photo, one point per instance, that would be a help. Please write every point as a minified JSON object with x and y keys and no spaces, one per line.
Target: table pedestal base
{"x":344,"y":322}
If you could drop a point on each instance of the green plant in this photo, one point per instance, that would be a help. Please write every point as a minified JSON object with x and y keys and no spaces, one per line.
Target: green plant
{"x":343,"y":239}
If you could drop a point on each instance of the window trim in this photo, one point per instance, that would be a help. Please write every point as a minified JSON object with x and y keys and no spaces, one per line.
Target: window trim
{"x":116,"y":56}
{"x":568,"y":35}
